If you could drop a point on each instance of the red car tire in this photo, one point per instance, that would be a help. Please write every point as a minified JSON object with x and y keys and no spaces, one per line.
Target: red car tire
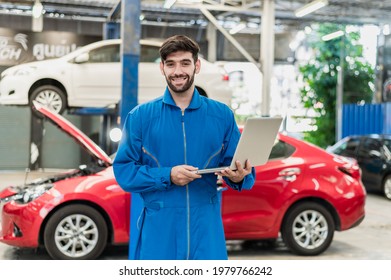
{"x":308,"y":229}
{"x":76,"y":232}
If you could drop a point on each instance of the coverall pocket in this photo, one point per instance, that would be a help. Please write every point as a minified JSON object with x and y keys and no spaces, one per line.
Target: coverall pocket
{"x":149,"y":159}
{"x":214,"y":159}
{"x":152,"y":208}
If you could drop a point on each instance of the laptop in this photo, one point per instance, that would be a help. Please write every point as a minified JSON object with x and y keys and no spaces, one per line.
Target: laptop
{"x":255,"y":143}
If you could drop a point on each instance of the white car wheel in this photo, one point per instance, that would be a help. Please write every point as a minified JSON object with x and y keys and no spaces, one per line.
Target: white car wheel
{"x":49,"y":96}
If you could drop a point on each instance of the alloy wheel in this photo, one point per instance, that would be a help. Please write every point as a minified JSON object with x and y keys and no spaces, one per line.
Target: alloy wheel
{"x":76,"y":235}
{"x":310,"y":229}
{"x":50,"y":99}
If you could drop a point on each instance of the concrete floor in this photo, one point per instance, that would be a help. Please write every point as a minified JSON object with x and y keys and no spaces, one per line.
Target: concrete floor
{"x":369,"y":241}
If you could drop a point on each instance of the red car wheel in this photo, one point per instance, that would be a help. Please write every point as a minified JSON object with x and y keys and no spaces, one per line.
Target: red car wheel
{"x":76,"y":232}
{"x":308,"y":229}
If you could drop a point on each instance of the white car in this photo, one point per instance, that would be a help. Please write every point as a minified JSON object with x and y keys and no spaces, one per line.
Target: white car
{"x":91,"y":76}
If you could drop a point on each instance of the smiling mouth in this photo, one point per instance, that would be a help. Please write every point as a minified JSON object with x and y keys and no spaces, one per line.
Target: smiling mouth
{"x":178,"y":79}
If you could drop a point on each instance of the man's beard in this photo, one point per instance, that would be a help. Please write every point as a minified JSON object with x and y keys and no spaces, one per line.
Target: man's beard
{"x":185,"y":87}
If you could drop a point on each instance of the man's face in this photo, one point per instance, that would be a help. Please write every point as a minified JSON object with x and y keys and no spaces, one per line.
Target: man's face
{"x":179,"y":70}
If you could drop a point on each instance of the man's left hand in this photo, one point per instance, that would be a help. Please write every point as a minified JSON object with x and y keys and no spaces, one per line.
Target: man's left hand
{"x":237,"y":175}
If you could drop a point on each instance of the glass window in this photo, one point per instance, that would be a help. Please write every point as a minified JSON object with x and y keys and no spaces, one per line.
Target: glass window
{"x":111,"y":53}
{"x":281,"y":150}
{"x":387,"y":143}
{"x":369,"y":145}
{"x":348,"y":147}
{"x":149,"y":54}
{"x":105,"y":54}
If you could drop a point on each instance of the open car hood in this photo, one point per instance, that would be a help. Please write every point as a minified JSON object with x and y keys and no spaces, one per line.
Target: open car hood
{"x":90,"y":146}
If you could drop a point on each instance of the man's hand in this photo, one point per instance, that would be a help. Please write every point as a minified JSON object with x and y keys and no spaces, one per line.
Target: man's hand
{"x":237,"y":175}
{"x":181,"y":175}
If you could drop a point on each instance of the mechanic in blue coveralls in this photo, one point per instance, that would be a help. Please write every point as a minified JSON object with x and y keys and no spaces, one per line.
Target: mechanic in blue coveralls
{"x":164,"y":142}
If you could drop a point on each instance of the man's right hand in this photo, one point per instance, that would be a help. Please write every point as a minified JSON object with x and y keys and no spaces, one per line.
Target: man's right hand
{"x":181,"y":175}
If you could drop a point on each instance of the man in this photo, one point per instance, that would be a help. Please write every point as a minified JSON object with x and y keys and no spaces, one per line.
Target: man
{"x":164,"y":142}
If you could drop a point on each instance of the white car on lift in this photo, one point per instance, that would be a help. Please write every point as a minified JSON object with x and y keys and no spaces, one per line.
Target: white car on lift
{"x":91,"y":76}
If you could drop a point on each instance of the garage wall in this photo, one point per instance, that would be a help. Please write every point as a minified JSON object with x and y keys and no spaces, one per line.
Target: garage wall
{"x":366,"y":119}
{"x":14,"y":138}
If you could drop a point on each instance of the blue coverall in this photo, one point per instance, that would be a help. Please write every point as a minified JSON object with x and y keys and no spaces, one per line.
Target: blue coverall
{"x":178,"y":222}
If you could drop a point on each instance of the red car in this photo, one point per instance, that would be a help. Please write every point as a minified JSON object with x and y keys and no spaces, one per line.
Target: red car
{"x":302,"y":193}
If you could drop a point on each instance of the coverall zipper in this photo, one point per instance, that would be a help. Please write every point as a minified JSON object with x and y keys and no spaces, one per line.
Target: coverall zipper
{"x":187,"y":188}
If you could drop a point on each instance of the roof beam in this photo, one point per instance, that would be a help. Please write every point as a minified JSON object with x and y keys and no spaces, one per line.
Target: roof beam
{"x":226,"y":34}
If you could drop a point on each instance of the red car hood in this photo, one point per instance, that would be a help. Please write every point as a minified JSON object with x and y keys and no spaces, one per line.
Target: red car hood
{"x":6,"y":193}
{"x":75,"y":133}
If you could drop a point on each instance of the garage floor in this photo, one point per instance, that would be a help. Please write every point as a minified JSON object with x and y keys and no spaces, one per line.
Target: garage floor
{"x":370,"y":240}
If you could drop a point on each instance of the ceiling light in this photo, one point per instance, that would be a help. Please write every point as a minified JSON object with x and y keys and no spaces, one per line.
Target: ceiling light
{"x":168,"y":3}
{"x":115,"y":134}
{"x":333,"y":35}
{"x":237,"y":28}
{"x":37,"y":9}
{"x":310,"y":7}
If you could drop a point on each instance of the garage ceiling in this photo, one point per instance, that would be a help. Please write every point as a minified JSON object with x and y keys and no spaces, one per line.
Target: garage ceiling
{"x":186,"y":12}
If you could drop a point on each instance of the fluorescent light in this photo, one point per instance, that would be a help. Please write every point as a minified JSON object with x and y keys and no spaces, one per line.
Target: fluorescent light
{"x":168,"y":3}
{"x":333,"y":35}
{"x":237,"y":28}
{"x":37,"y":9}
{"x":311,"y":7}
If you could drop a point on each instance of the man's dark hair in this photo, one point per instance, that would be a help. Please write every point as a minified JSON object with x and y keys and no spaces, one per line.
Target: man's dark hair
{"x":179,"y":43}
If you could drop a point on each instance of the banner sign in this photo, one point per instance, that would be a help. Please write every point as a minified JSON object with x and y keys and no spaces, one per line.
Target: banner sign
{"x":18,"y":47}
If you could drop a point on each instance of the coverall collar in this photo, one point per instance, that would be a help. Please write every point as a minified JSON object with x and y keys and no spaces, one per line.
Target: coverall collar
{"x":195,"y":102}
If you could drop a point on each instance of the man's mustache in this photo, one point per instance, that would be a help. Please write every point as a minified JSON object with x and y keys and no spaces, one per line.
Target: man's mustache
{"x":179,"y":76}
